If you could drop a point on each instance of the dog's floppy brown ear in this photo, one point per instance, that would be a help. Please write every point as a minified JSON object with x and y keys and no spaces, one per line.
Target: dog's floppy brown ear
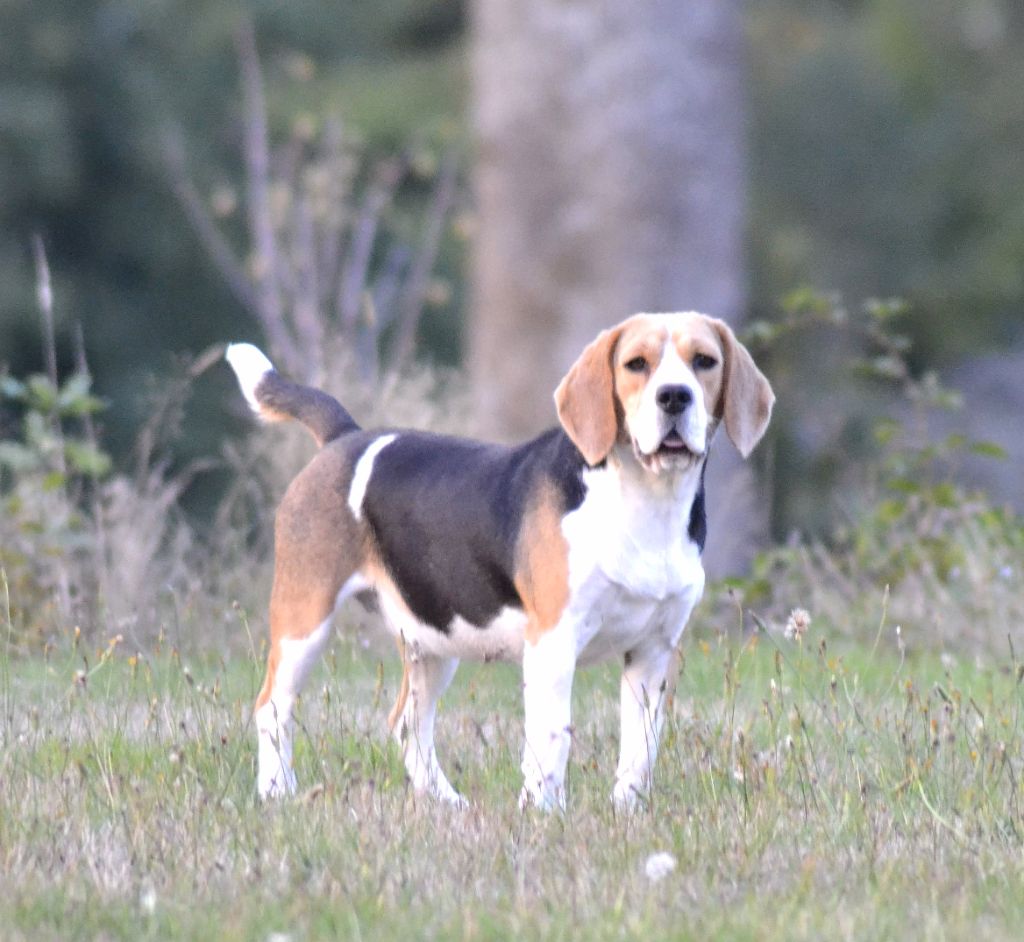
{"x":585,"y":399}
{"x":747,"y":398}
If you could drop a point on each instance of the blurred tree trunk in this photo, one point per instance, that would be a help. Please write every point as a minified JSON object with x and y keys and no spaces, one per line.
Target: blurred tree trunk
{"x":610,"y":179}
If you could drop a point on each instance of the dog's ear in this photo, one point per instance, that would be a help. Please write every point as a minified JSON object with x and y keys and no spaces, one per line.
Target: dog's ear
{"x":747,"y":398}
{"x":585,"y":399}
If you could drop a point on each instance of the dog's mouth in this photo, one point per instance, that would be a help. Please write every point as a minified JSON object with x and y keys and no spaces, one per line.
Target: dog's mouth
{"x":672,"y":453}
{"x":673,"y":444}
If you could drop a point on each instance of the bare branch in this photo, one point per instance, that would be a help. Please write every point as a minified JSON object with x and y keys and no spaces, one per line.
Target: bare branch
{"x":331,"y":217}
{"x":312,"y":259}
{"x":44,"y":296}
{"x":411,"y":304}
{"x":211,"y":238}
{"x":92,"y":437}
{"x":354,"y":274}
{"x":261,"y":220}
{"x":387,"y":288}
{"x":306,"y":301}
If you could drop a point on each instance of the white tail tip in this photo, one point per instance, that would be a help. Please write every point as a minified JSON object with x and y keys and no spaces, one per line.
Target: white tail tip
{"x":250,"y":365}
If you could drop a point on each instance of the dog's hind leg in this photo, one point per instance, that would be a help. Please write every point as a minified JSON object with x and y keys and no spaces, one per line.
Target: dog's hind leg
{"x":290,"y":660}
{"x":300,"y":627}
{"x":318,"y":552}
{"x":426,"y":678}
{"x":301,"y":615}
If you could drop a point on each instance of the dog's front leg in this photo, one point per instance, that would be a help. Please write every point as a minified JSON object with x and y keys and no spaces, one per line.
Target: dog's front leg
{"x":549,"y":662}
{"x":642,"y":696}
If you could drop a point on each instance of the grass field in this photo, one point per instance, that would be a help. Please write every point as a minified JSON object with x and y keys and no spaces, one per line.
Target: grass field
{"x":806,"y":790}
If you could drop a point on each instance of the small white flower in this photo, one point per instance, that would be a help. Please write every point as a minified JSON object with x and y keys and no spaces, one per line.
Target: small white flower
{"x":659,"y":866}
{"x":799,"y":622}
{"x":147,"y":901}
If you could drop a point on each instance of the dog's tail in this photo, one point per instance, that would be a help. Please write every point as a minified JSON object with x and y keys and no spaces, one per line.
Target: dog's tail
{"x":274,"y":398}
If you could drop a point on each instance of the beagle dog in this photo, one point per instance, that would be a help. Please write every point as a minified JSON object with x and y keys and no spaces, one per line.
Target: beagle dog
{"x":581,"y":545}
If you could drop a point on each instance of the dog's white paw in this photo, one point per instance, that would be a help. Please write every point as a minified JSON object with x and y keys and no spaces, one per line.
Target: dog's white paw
{"x":279,"y":784}
{"x":442,"y":791}
{"x":629,"y":794}
{"x":544,"y":795}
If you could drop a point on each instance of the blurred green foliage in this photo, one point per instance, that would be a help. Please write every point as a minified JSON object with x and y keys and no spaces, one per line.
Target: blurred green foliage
{"x":43,"y":447}
{"x":885,"y":148}
{"x":48,"y":474}
{"x":93,"y":96}
{"x":886,"y":160}
{"x":856,"y":424}
{"x":888,"y":519}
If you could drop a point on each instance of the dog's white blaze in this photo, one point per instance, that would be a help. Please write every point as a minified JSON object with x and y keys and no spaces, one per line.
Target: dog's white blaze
{"x":273,"y":719}
{"x":250,"y":365}
{"x":650,"y":423}
{"x":363,"y":473}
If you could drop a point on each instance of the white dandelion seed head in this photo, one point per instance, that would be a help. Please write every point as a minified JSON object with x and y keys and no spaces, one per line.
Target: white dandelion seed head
{"x":148,"y":900}
{"x":659,"y":865}
{"x":798,"y":623}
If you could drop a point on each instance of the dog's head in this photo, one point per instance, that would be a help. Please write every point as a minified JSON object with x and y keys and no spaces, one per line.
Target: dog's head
{"x":662,"y":383}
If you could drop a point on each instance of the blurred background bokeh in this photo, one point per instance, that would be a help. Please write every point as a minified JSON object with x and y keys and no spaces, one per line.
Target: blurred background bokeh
{"x":485,"y":183}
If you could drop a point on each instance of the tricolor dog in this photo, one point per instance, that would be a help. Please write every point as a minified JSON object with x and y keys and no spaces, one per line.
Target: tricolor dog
{"x":579,"y":546}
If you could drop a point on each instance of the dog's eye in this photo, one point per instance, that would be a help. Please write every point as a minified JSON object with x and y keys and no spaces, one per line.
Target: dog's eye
{"x":636,"y":365}
{"x":703,"y":362}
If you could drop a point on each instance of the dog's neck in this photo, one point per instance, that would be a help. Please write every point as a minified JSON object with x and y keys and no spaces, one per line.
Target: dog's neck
{"x":656,"y":506}
{"x":633,"y":527}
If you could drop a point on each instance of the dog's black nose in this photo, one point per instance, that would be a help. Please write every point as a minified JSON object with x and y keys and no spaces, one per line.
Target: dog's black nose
{"x":674,"y":399}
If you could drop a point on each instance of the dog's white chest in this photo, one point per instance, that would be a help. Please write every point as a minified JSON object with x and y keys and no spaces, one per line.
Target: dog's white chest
{"x":634,"y":573}
{"x":633,"y":536}
{"x":617,"y":621}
